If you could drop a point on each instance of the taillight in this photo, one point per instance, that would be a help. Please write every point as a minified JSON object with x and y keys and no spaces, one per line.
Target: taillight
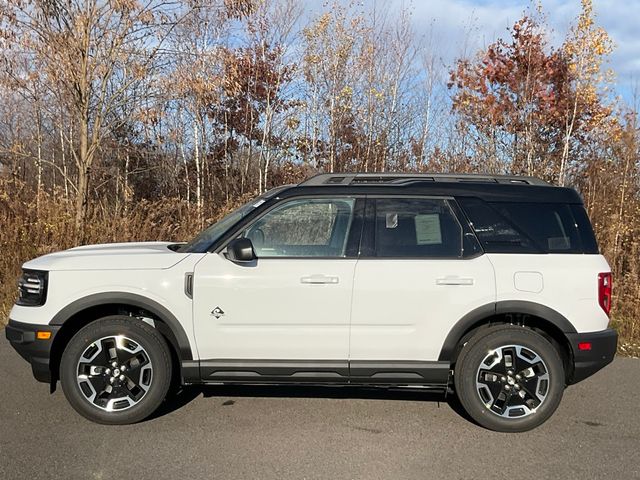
{"x":604,"y":291}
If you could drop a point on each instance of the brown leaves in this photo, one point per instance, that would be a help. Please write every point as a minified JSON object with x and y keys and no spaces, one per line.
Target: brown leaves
{"x":124,"y":6}
{"x":251,"y":82}
{"x":239,"y":9}
{"x":519,"y":93}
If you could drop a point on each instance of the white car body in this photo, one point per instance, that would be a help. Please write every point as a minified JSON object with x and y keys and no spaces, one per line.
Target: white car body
{"x":378,"y":309}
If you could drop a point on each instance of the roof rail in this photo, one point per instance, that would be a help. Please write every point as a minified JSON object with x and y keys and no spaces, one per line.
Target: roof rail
{"x":328,"y":179}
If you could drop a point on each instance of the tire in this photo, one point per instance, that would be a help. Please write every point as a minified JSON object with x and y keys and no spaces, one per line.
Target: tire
{"x":102,"y":391}
{"x":509,"y":378}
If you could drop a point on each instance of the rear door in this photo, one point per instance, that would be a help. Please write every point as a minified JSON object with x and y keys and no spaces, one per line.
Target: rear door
{"x":418,"y":274}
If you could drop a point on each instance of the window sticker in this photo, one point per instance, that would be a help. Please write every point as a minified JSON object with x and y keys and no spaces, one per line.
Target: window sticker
{"x":559,"y":243}
{"x":392,"y":220}
{"x":428,"y":229}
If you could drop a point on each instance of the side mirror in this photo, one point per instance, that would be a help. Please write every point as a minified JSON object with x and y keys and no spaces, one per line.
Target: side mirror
{"x":240,"y":250}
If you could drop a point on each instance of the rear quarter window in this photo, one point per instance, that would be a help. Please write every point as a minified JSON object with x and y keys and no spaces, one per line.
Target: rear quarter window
{"x":523,"y":227}
{"x":495,"y":233}
{"x":551,"y":226}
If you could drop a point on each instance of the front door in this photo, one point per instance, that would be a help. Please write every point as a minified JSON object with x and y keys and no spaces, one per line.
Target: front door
{"x":286,"y":315}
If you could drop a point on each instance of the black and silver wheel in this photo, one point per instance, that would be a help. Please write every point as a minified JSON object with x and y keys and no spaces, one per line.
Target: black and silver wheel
{"x":116,"y":370}
{"x":509,"y":378}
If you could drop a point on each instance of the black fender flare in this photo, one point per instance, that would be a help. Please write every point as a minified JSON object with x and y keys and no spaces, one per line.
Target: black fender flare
{"x":134,"y":300}
{"x":478,"y":315}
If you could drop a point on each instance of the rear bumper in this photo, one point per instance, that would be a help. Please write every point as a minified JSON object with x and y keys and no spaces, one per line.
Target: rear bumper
{"x":601,"y":351}
{"x":23,"y":339}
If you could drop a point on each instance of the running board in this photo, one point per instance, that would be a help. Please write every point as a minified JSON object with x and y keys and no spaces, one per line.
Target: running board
{"x":324,"y":372}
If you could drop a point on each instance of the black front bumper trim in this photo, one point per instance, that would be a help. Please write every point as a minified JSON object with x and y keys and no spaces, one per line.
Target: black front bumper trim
{"x":603,"y":346}
{"x":22,"y":337}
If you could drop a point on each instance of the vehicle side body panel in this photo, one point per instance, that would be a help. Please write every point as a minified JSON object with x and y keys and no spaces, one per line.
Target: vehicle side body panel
{"x":90,"y":288}
{"x":275,"y":309}
{"x":566,"y":283}
{"x":403,"y":309}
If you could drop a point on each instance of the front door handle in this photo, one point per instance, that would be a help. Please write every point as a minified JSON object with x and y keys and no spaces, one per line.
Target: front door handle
{"x":319,"y":279}
{"x":454,"y":281}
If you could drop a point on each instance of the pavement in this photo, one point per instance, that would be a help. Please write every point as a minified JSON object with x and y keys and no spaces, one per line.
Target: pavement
{"x":316,"y":433}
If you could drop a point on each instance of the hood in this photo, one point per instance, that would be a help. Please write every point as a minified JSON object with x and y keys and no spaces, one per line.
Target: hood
{"x":110,"y":256}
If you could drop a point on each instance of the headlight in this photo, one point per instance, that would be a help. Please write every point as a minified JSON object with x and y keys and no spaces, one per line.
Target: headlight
{"x":32,"y":288}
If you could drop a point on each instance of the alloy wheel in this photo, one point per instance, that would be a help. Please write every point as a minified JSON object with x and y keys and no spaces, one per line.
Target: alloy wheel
{"x":114,"y":373}
{"x":512,"y":381}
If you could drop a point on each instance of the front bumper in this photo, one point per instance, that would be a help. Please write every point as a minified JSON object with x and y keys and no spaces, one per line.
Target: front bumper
{"x":587,"y":361}
{"x":23,"y":338}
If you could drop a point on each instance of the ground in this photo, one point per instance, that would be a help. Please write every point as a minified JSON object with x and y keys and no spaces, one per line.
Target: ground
{"x":315,"y":433}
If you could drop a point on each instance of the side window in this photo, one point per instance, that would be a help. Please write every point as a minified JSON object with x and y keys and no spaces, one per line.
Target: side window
{"x":495,"y":233}
{"x":550,"y":225}
{"x":416,"y":227}
{"x":303,"y":228}
{"x":522,"y":227}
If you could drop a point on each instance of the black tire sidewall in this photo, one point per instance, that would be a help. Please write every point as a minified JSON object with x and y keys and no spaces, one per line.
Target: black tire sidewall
{"x":476,"y":350}
{"x":140,"y":332}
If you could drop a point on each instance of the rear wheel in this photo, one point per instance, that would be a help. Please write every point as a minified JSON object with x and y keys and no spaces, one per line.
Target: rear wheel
{"x":116,"y":370}
{"x":509,"y":378}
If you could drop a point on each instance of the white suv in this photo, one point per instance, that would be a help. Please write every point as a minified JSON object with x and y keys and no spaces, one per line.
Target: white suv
{"x":492,"y":286}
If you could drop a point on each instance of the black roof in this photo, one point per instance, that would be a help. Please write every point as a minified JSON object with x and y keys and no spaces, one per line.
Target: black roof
{"x":492,"y":188}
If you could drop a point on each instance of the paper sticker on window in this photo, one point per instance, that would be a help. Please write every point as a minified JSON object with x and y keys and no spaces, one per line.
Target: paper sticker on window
{"x":559,"y":243}
{"x":392,"y":220}
{"x":428,"y":229}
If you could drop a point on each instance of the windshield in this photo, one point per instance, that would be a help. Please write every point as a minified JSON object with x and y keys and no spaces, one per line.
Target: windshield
{"x":204,"y":239}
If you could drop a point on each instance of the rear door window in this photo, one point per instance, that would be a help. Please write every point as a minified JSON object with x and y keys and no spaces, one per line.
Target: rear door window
{"x":416,"y":227}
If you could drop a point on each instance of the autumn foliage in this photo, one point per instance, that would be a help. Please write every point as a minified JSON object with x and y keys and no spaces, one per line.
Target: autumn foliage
{"x":128,"y":120}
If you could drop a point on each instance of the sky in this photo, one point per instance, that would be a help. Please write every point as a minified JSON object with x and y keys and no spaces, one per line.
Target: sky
{"x":458,"y":27}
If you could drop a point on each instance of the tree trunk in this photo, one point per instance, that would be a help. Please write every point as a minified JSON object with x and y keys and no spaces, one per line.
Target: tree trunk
{"x":125,"y":186}
{"x":82,"y":197}
{"x":82,"y":201}
{"x":187,"y":182}
{"x":196,"y":158}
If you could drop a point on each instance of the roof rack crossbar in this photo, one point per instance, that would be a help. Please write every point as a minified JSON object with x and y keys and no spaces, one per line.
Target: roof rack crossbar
{"x":403,"y":178}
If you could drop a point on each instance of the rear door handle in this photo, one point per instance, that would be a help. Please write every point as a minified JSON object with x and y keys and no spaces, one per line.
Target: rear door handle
{"x":319,"y":279}
{"x":454,"y":281}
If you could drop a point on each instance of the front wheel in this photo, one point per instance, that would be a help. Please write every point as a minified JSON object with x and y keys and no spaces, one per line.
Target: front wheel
{"x":509,"y":378}
{"x":116,"y":370}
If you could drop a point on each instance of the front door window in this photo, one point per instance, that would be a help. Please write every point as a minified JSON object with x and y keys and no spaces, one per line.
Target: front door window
{"x":303,"y":228}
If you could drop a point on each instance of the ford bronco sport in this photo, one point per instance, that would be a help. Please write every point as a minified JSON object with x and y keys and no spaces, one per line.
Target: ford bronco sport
{"x":491,"y":286}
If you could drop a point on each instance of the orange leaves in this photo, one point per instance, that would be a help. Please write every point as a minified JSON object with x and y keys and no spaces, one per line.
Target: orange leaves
{"x":586,"y":47}
{"x":319,"y":27}
{"x":508,"y":83}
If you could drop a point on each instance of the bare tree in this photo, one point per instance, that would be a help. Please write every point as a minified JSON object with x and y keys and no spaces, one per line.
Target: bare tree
{"x":92,"y":52}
